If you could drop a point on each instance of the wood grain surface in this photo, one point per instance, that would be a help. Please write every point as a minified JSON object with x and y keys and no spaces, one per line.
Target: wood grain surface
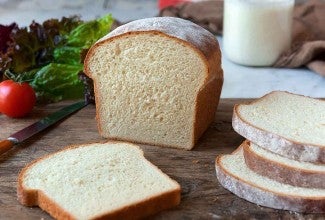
{"x":202,"y":195}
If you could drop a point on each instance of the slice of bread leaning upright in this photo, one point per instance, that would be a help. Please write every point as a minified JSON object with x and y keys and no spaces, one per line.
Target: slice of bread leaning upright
{"x":157,"y":81}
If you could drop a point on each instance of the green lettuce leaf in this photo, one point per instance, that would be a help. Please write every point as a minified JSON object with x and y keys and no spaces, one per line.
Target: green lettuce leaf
{"x":49,"y":56}
{"x":56,"y":82}
{"x":82,"y":37}
{"x":88,"y":33}
{"x":68,"y":55}
{"x":33,"y":47}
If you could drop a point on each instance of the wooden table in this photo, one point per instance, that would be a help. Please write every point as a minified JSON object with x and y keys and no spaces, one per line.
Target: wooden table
{"x":202,"y":195}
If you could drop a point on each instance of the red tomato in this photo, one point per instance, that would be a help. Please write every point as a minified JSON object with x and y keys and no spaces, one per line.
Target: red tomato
{"x":16,"y":99}
{"x":166,"y":3}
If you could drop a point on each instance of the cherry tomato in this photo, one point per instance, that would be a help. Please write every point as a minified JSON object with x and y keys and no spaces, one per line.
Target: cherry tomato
{"x":16,"y":99}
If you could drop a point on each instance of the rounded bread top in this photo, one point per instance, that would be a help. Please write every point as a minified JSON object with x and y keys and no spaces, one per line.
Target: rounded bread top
{"x":176,"y":27}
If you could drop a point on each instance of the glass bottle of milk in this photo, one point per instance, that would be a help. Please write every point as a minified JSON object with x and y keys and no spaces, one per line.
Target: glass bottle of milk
{"x":256,"y":32}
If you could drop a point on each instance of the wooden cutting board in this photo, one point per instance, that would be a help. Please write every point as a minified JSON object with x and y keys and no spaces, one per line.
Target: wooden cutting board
{"x":202,"y":195}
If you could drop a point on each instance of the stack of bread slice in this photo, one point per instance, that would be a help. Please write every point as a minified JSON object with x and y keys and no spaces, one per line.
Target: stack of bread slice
{"x":282,"y":163}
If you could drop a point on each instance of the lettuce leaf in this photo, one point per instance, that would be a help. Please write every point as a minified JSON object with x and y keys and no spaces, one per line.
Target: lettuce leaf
{"x":48,"y":55}
{"x":33,"y":47}
{"x":88,"y":33}
{"x":68,"y":55}
{"x":82,"y":37}
{"x":56,"y":82}
{"x":5,"y":39}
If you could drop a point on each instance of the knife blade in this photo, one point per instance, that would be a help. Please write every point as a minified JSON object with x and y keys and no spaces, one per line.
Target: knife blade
{"x":29,"y":131}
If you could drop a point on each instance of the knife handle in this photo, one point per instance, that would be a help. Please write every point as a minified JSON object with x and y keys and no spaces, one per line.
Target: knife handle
{"x":5,"y":145}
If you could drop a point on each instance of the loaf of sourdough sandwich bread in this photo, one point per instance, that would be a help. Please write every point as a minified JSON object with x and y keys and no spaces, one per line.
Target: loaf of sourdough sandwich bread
{"x":157,"y":81}
{"x":234,"y":175}
{"x":287,"y":124}
{"x":97,"y":181}
{"x":282,"y":169}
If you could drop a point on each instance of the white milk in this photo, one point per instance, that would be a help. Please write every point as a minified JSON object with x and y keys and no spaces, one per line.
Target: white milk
{"x":256,"y":32}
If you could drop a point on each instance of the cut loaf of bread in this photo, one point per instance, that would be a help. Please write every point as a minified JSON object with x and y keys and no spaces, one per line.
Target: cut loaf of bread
{"x":157,"y":81}
{"x":284,"y":123}
{"x":282,"y":169}
{"x":97,"y":181}
{"x":234,"y":175}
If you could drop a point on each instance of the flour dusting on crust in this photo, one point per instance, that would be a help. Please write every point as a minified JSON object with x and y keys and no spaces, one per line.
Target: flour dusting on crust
{"x":176,"y":27}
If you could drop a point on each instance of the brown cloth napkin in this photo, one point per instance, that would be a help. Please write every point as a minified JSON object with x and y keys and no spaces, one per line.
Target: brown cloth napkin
{"x":308,"y":38}
{"x":308,"y":34}
{"x":207,"y":14}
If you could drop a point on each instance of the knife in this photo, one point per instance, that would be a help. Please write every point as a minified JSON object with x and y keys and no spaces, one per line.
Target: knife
{"x":25,"y":133}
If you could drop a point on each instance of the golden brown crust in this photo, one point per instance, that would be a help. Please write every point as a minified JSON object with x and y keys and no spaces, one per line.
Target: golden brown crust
{"x":147,"y":207}
{"x":236,"y":111}
{"x":263,"y":196}
{"x":53,"y":208}
{"x":206,"y":106}
{"x":282,"y":172}
{"x":276,"y":143}
{"x":283,"y":195}
{"x":207,"y":98}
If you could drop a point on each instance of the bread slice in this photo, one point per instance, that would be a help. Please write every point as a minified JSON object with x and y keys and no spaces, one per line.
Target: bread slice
{"x":284,"y":123}
{"x":234,"y":175}
{"x":282,"y":169}
{"x":97,"y":181}
{"x":157,"y":81}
